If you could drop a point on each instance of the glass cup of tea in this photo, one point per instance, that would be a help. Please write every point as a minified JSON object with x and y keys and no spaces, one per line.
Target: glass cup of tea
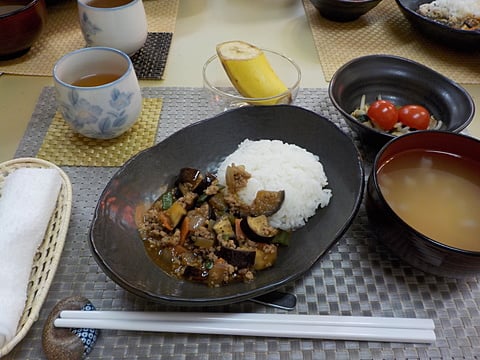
{"x":97,"y":91}
{"x":120,"y":24}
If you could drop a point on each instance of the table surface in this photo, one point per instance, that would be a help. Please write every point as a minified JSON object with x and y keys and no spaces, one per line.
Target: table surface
{"x":275,"y":24}
{"x":357,"y":276}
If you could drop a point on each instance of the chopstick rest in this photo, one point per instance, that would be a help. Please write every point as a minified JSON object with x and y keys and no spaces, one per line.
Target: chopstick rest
{"x":68,"y":343}
{"x":27,"y":201}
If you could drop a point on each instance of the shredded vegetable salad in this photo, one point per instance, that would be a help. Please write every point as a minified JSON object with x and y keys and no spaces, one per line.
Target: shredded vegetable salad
{"x":397,"y":120}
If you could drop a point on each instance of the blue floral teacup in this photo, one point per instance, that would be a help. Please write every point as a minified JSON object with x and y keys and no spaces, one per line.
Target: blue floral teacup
{"x":120,"y":24}
{"x":97,"y":91}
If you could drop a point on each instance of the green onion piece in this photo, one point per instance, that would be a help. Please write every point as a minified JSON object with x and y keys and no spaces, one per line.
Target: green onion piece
{"x":167,"y":200}
{"x":202,"y":198}
{"x":282,"y":238}
{"x":363,"y":118}
{"x":208,"y":264}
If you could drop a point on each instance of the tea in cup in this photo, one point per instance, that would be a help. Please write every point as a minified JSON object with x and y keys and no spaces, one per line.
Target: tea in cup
{"x":97,"y":91}
{"x":120,"y":24}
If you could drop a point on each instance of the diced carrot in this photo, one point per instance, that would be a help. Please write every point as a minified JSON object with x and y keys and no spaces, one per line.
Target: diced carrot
{"x":238,"y":229}
{"x":179,"y":249}
{"x":184,"y":230}
{"x":165,"y":220}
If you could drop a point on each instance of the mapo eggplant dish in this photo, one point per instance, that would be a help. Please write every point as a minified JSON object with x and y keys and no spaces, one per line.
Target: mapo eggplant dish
{"x":200,"y":230}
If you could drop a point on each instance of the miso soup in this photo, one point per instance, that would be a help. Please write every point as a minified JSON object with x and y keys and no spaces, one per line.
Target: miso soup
{"x":436,"y":193}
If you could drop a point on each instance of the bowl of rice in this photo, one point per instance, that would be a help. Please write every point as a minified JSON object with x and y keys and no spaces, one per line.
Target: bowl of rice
{"x":453,"y":23}
{"x":316,"y":165}
{"x":399,"y":83}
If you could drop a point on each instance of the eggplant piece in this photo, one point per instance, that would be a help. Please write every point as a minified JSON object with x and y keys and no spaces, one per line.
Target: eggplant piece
{"x":207,"y":180}
{"x":236,"y":177}
{"x":267,"y":202}
{"x":195,"y":273}
{"x":265,"y":256}
{"x":203,"y":242}
{"x":224,"y":228}
{"x":237,"y":257}
{"x":258,"y":229}
{"x":189,"y":179}
{"x":218,"y":205}
{"x":173,"y":215}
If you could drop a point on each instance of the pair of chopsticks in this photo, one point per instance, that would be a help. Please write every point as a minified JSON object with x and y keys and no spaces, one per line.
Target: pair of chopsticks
{"x":360,"y":328}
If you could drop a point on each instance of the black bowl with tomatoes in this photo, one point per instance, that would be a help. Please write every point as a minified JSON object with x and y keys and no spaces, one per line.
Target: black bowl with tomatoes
{"x":399,"y":96}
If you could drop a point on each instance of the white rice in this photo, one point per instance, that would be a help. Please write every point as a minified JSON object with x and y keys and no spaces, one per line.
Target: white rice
{"x":275,"y":166}
{"x":447,"y":9}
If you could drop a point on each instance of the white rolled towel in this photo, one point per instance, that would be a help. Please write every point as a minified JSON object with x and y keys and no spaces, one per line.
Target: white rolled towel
{"x":27,"y":202}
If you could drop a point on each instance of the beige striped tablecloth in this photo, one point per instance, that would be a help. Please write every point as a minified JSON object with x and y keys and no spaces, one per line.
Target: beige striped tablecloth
{"x":384,"y":30}
{"x":62,"y":34}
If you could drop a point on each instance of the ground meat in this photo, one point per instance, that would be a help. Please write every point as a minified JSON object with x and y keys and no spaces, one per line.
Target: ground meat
{"x":228,"y":243}
{"x":269,"y":249}
{"x":461,"y":15}
{"x":249,"y":275}
{"x":473,"y":23}
{"x":236,"y":177}
{"x":212,"y":189}
{"x":188,"y":199}
{"x":170,"y":240}
{"x":188,"y":239}
{"x":236,"y":205}
{"x":202,"y":233}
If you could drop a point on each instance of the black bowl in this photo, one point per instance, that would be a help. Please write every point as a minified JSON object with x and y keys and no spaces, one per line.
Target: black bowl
{"x":118,"y":248}
{"x":21,"y":27}
{"x":402,"y":81}
{"x":413,"y":247}
{"x":436,"y":31}
{"x":344,"y":10}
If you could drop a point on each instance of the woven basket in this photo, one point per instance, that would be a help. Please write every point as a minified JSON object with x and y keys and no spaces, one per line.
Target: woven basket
{"x":46,"y":259}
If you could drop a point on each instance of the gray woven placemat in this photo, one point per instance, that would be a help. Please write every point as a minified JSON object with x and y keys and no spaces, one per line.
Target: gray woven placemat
{"x":357,"y":277}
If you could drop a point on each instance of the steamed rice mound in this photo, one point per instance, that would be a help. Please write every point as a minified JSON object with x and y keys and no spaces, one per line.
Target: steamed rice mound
{"x":275,"y":166}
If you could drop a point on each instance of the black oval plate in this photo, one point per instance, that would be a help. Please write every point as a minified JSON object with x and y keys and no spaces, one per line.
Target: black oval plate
{"x":118,"y":248}
{"x":443,"y":34}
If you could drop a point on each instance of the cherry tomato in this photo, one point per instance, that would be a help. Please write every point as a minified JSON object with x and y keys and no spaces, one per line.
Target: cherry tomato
{"x":383,"y":114}
{"x":414,"y":116}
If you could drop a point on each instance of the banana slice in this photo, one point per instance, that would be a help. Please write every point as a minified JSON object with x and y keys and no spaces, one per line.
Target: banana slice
{"x":250,"y":72}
